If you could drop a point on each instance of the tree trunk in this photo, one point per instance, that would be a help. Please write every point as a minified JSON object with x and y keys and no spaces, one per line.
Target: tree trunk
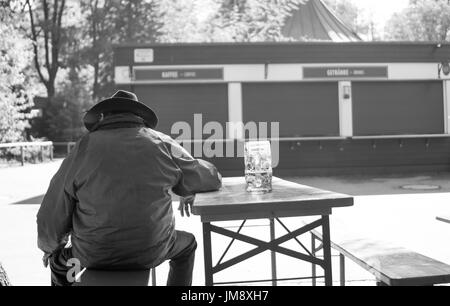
{"x":4,"y":281}
{"x":51,"y":91}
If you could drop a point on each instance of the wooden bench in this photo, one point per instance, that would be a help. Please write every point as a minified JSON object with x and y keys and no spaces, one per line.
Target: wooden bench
{"x":116,"y":278}
{"x":390,"y":264}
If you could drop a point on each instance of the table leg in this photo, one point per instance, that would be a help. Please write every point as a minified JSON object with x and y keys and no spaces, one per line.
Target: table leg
{"x":342,"y":269}
{"x":273,"y":254}
{"x":313,"y":265}
{"x":207,"y":254}
{"x":327,"y":250}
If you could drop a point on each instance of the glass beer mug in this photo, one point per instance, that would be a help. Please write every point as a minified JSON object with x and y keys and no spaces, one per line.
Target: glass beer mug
{"x":258,"y":166}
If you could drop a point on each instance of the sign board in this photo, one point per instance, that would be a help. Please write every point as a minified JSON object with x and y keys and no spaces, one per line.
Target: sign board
{"x":345,"y":72}
{"x":143,"y":56}
{"x":151,"y":74}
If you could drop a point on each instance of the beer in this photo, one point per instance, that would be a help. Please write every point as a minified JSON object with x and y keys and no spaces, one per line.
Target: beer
{"x":258,"y":166}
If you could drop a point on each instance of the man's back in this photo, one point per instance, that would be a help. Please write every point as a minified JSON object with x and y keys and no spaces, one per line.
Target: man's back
{"x":116,"y":203}
{"x":124,"y":213}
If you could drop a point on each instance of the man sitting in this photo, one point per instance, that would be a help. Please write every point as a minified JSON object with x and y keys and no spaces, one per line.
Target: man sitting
{"x":111,"y":196}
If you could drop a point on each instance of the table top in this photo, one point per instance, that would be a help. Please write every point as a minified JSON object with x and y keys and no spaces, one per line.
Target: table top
{"x":287,"y":199}
{"x":445,"y":219}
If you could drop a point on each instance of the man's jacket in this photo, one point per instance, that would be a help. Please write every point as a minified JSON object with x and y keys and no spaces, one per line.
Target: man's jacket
{"x":111,"y":195}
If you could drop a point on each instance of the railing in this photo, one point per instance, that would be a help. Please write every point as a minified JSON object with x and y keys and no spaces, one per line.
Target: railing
{"x":295,"y":141}
{"x":285,"y":139}
{"x":23,"y":145}
{"x":382,"y":137}
{"x":325,"y":138}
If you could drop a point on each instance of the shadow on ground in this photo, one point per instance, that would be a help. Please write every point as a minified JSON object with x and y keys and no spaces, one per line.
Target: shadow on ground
{"x":31,"y":201}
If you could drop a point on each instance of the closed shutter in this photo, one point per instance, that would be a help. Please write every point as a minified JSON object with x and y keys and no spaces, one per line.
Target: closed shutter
{"x":302,"y":109}
{"x":397,"y":108}
{"x":179,"y":102}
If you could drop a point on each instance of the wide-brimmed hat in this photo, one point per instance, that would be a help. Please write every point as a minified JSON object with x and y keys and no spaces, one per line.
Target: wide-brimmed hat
{"x":121,"y":101}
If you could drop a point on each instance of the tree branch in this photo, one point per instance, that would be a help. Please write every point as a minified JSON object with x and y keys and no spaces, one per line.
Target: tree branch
{"x":46,"y":38}
{"x":57,"y":39}
{"x":35,"y":44}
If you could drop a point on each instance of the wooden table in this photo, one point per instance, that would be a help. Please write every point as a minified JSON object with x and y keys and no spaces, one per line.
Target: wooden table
{"x":445,"y":219}
{"x":233,"y":203}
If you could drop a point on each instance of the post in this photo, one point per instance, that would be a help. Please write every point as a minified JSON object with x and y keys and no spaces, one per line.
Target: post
{"x":342,"y":269}
{"x":41,"y":153}
{"x":313,"y":266}
{"x":327,"y":251}
{"x":153,"y":270}
{"x":207,"y":254}
{"x":22,"y":156}
{"x":273,"y":255}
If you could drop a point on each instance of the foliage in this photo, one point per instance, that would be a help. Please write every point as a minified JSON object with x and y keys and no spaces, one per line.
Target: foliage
{"x":185,"y":20}
{"x":64,"y":114}
{"x":422,"y":20}
{"x":222,"y":20}
{"x":73,"y":42}
{"x":112,"y":22}
{"x":349,"y":13}
{"x":17,"y":85}
{"x":48,"y":32}
{"x":250,"y":20}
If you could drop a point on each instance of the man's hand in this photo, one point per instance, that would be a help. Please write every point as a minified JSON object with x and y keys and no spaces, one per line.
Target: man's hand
{"x":45,"y":259}
{"x":186,"y":205}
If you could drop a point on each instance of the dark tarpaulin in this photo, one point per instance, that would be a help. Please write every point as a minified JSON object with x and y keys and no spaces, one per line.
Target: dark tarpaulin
{"x":313,"y":20}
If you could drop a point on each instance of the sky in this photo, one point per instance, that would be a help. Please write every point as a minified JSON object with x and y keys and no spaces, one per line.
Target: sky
{"x":382,"y":10}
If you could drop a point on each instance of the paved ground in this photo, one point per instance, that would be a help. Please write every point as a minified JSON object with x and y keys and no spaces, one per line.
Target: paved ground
{"x":382,"y":210}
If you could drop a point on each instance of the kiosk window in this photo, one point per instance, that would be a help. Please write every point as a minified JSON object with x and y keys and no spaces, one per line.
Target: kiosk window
{"x":302,"y":109}
{"x":179,"y":102}
{"x":398,"y":108}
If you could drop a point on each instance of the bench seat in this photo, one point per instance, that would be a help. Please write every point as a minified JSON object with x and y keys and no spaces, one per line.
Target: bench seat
{"x":116,"y":278}
{"x":391,"y":265}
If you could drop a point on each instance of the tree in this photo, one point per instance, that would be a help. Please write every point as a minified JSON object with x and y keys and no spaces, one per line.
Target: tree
{"x":98,"y":31}
{"x":112,"y":22}
{"x":185,"y":20}
{"x":251,"y":20}
{"x":46,"y":26}
{"x":17,"y":86}
{"x":422,"y":20}
{"x":64,"y":115}
{"x":222,"y":20}
{"x":349,"y":13}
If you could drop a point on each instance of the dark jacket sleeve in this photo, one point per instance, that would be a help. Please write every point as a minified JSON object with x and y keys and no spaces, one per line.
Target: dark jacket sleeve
{"x":54,"y":219}
{"x":197,"y":175}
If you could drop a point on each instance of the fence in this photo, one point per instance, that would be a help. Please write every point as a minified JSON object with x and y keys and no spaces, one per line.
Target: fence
{"x":45,"y":145}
